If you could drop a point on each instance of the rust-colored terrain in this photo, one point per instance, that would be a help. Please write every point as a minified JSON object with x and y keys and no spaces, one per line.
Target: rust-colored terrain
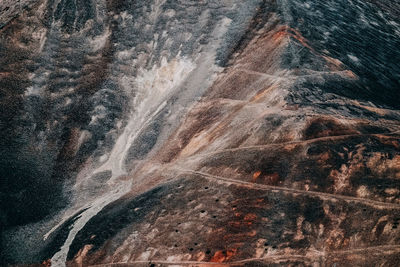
{"x":200,"y":133}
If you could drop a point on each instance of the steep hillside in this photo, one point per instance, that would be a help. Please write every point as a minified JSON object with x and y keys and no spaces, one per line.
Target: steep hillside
{"x":200,"y":133}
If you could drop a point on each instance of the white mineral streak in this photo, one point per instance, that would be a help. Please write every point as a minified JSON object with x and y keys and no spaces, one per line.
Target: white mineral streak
{"x":60,"y":257}
{"x":152,"y":87}
{"x":150,"y":90}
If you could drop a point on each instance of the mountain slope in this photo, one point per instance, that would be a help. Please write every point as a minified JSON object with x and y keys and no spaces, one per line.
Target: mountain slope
{"x":256,"y":133}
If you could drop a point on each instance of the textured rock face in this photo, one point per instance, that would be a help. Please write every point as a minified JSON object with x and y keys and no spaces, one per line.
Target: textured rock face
{"x":200,"y":133}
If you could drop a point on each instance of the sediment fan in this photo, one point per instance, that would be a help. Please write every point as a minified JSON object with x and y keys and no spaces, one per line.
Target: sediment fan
{"x":199,"y":133}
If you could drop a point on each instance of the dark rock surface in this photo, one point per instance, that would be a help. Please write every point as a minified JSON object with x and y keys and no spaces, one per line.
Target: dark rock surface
{"x":200,"y":133}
